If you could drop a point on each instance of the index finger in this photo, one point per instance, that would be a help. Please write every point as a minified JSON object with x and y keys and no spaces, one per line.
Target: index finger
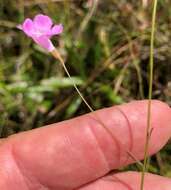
{"x":69,"y":154}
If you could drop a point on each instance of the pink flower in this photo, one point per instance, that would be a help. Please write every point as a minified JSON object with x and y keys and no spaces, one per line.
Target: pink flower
{"x":41,"y":29}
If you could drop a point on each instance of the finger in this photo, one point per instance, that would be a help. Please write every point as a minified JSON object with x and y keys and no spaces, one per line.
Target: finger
{"x":129,"y":181}
{"x":71,"y":153}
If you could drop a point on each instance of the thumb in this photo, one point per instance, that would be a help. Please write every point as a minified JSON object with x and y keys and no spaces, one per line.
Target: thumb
{"x":129,"y":181}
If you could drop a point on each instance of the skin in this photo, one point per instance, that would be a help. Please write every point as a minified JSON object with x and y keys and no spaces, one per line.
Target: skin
{"x":78,"y":153}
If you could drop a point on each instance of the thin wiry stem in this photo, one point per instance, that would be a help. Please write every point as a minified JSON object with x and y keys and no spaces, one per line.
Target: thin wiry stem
{"x":56,"y":54}
{"x":148,"y":129}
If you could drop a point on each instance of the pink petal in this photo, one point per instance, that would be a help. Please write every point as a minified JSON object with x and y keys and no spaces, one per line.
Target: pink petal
{"x":42,"y":23}
{"x":57,"y":29}
{"x":28,"y":27}
{"x":44,"y":42}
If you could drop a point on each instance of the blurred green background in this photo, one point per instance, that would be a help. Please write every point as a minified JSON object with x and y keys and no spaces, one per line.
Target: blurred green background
{"x":105,"y":45}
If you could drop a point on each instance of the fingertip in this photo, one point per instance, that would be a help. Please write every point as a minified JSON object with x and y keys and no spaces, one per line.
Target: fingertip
{"x":161,"y":122}
{"x":161,"y":105}
{"x":136,"y":113}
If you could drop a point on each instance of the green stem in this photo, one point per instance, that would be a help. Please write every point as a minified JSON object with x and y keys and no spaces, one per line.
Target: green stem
{"x":56,"y":54}
{"x":148,"y":129}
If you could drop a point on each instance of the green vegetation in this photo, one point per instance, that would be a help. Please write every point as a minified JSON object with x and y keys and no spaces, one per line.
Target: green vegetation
{"x":106,"y":49}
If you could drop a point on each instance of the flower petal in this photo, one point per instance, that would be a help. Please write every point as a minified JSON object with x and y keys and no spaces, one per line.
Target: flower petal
{"x":57,"y":29}
{"x":44,"y":42}
{"x":42,"y":23}
{"x":28,"y":27}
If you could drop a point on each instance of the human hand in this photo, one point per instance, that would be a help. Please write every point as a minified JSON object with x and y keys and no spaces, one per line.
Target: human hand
{"x":77,"y":153}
